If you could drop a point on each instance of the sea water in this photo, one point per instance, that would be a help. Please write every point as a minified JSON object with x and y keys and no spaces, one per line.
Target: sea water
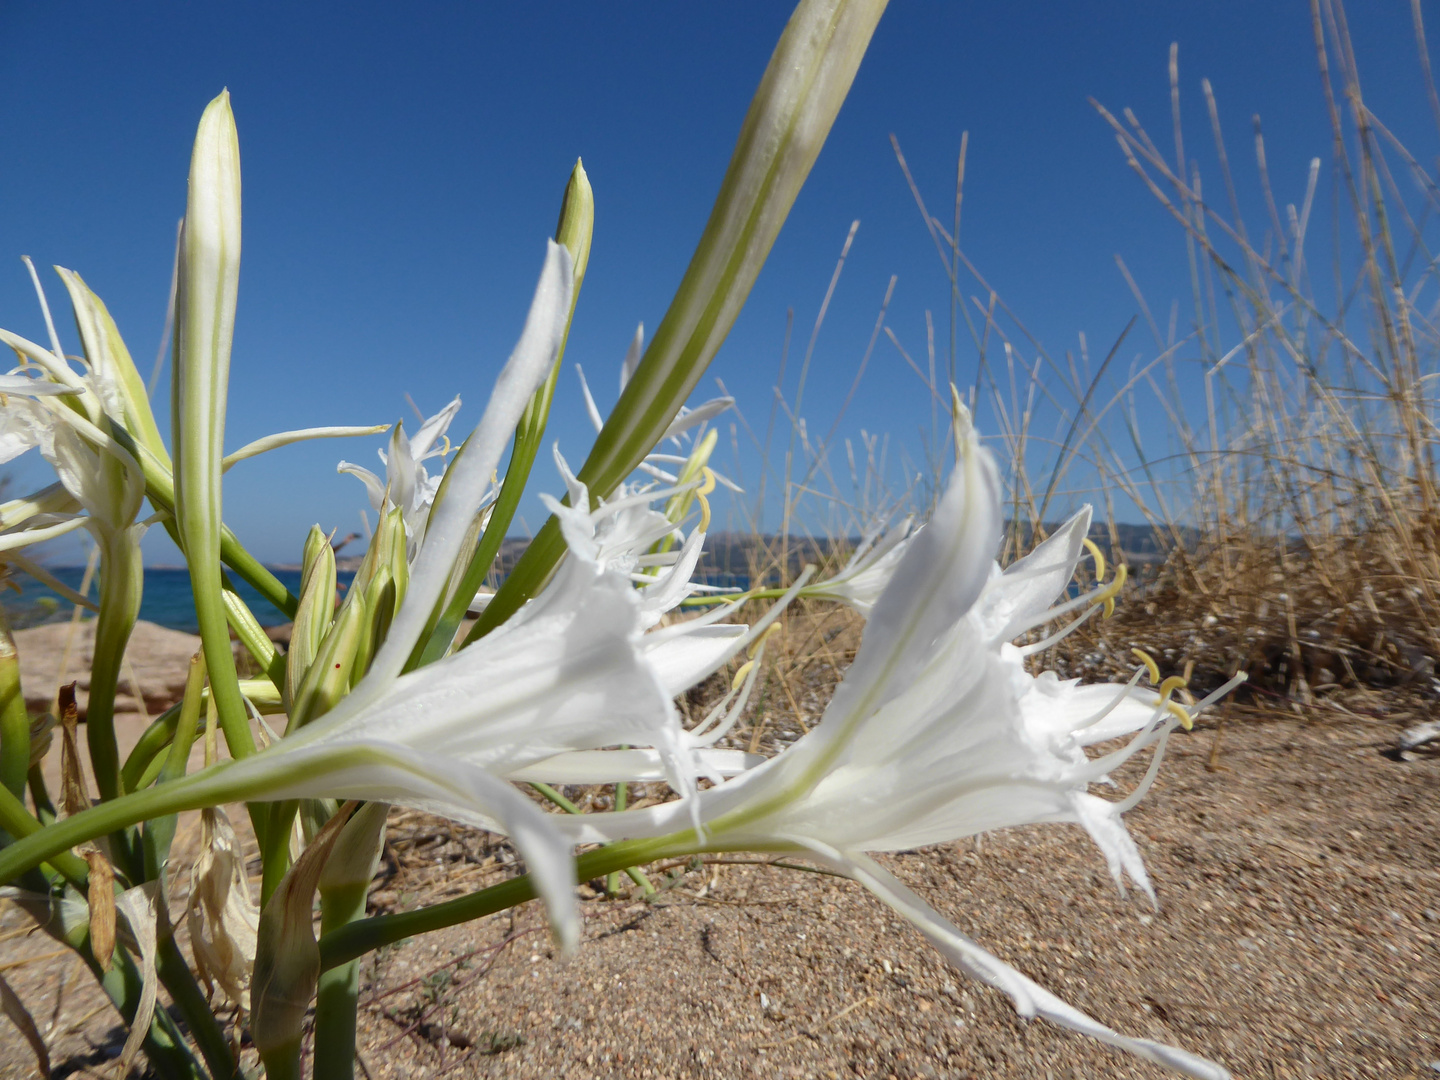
{"x":167,"y":599}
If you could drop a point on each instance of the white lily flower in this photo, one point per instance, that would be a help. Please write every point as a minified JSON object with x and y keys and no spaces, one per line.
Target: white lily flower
{"x":685,"y":419}
{"x":565,"y":674}
{"x":869,"y":570}
{"x":23,"y":424}
{"x":407,"y":483}
{"x":935,"y":733}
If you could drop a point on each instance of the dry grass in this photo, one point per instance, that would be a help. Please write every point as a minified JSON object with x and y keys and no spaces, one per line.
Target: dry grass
{"x":1290,"y":494}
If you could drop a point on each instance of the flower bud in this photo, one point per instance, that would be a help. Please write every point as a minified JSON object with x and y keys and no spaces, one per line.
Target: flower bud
{"x":315,"y":614}
{"x":331,"y":673}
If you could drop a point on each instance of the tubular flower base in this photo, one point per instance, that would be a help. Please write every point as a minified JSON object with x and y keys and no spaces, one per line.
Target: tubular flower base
{"x":937,"y":732}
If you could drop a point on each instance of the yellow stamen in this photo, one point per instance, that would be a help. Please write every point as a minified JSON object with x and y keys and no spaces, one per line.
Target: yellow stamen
{"x":745,"y":669}
{"x":1150,"y":665}
{"x":1098,"y":556}
{"x":1106,"y":596}
{"x":1170,"y":685}
{"x":1181,"y":713}
{"x":706,"y":486}
{"x":759,"y":643}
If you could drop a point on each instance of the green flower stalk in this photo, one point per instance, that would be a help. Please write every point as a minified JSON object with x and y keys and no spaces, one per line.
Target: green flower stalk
{"x":14,"y":720}
{"x":209,"y":281}
{"x":343,"y":886}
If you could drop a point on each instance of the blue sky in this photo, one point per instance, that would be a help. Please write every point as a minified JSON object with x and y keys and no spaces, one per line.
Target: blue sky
{"x":403,"y":165}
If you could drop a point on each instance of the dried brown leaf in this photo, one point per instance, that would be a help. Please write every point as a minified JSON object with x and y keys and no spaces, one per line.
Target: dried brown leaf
{"x":102,"y":907}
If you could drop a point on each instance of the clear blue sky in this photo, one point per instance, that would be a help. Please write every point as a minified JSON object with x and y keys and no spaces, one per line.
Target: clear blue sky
{"x":403,"y":165}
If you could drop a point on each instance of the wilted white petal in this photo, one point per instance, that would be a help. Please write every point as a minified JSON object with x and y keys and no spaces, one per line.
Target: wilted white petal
{"x":138,"y":907}
{"x":222,"y":916}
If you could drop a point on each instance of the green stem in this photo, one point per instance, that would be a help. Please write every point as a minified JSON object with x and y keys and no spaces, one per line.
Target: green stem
{"x":44,"y":808}
{"x":14,"y":720}
{"x":209,"y":1036}
{"x":121,"y":581}
{"x":612,"y":883}
{"x":338,"y":990}
{"x":160,"y":830}
{"x":275,"y":852}
{"x":224,"y":782}
{"x":18,"y":822}
{"x":148,"y":747}
{"x":354,"y":940}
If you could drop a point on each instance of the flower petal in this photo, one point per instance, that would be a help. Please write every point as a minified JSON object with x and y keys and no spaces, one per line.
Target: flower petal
{"x":374,"y":486}
{"x":566,"y":673}
{"x":1030,"y":585}
{"x":1029,"y":997}
{"x":685,"y":660}
{"x":376,"y":770}
{"x":469,"y":476}
{"x":432,"y":429}
{"x":628,"y":766}
{"x":943,"y":570}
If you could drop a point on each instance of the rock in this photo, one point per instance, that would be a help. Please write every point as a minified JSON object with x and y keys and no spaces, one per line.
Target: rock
{"x":1419,"y":735}
{"x":56,"y":653}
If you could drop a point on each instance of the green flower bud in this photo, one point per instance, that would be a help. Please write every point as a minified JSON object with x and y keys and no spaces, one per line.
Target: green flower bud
{"x":314,"y":616}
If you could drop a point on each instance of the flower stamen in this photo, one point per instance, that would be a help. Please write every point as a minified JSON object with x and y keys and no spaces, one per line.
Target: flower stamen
{"x":1150,"y":665}
{"x":1098,"y":556}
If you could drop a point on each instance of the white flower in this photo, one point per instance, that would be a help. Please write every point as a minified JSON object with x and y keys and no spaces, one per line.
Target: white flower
{"x":565,"y":675}
{"x":407,"y":483}
{"x":867,"y":573}
{"x":23,"y":422}
{"x":937,"y":732}
{"x":684,"y":421}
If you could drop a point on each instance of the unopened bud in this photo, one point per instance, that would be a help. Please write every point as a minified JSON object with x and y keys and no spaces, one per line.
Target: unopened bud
{"x":314,"y":615}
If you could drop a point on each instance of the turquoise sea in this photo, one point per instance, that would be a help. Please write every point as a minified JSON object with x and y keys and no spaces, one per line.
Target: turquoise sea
{"x":166,"y":600}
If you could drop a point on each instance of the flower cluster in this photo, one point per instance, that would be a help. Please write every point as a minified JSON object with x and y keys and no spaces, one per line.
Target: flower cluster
{"x":570,"y":673}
